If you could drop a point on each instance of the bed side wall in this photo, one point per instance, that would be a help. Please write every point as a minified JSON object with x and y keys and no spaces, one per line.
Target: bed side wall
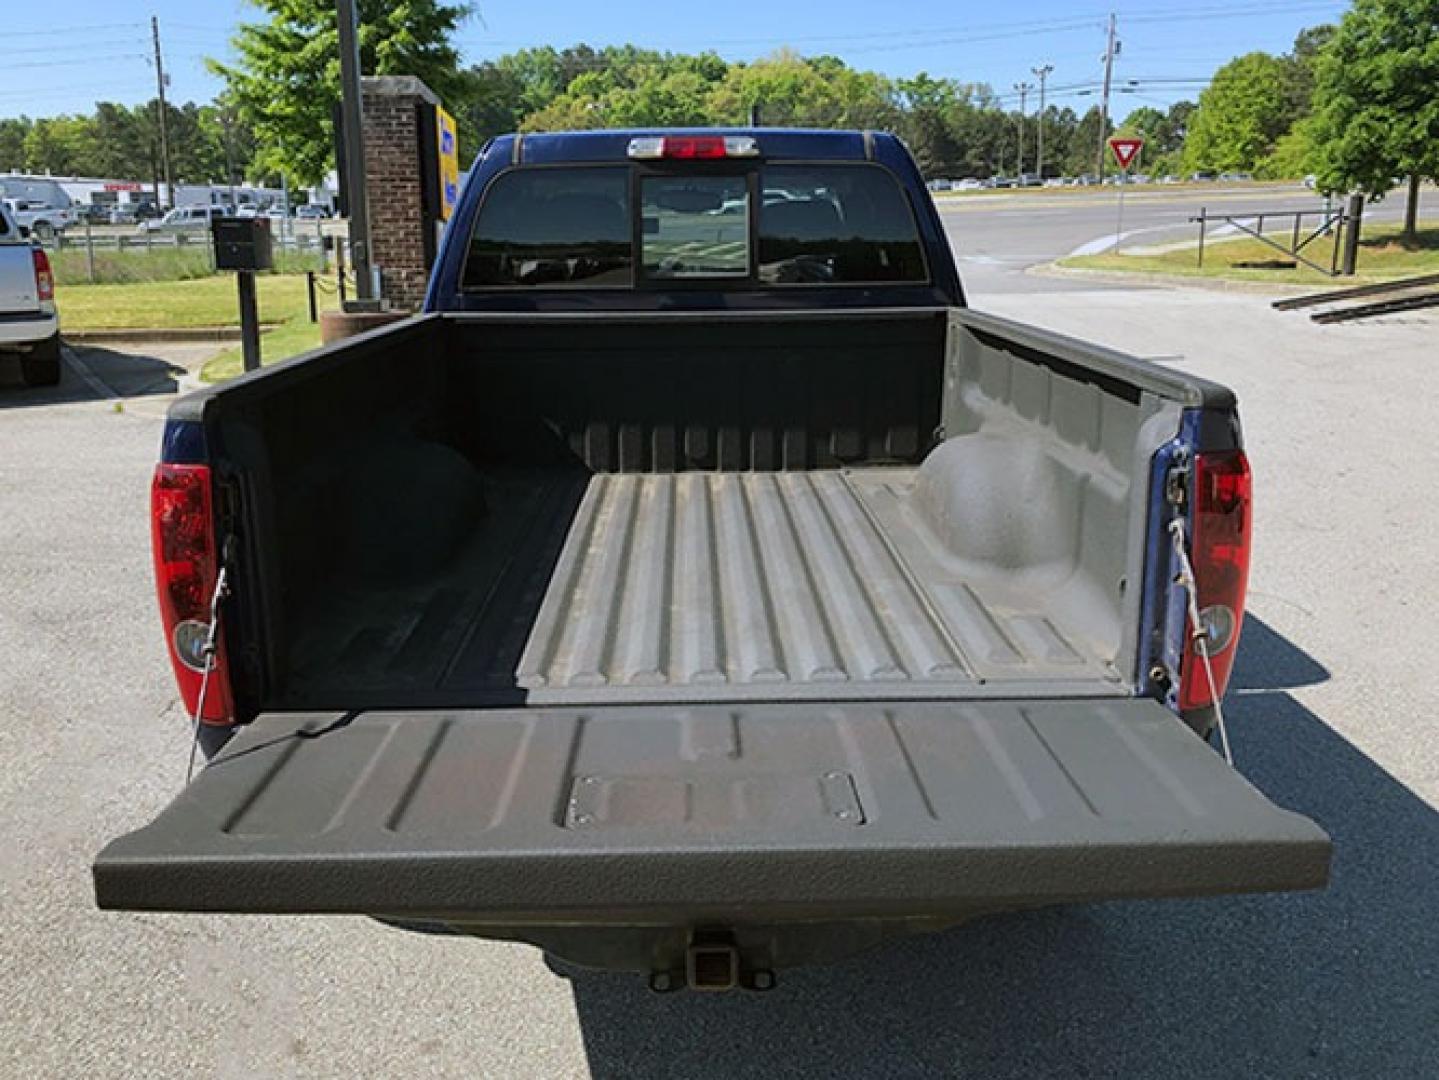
{"x":1041,"y":482}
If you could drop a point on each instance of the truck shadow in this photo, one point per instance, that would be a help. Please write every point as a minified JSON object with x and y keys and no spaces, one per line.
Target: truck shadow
{"x":1337,"y":983}
{"x":122,"y":373}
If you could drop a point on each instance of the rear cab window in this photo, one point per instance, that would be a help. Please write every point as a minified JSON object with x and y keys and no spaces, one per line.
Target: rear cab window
{"x":766,"y":225}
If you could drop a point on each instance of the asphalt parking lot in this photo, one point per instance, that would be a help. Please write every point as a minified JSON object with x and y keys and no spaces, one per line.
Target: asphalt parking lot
{"x":1334,"y":714}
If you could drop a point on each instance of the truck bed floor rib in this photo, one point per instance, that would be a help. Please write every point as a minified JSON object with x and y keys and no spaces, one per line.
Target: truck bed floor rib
{"x":767,"y":578}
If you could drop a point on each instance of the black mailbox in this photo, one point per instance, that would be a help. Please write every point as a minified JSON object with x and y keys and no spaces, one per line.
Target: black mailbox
{"x":242,"y":243}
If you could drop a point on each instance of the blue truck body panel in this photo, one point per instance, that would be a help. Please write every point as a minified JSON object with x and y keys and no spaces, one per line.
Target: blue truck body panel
{"x":775,"y":145}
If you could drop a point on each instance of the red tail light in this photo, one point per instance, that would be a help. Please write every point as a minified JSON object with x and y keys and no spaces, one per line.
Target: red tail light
{"x":44,"y":280}
{"x":694,"y":146}
{"x":1220,"y":554}
{"x":182,"y":523}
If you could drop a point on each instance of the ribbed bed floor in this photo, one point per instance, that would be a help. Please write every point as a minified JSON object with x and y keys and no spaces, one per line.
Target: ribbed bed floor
{"x":801,"y":584}
{"x":763,"y":578}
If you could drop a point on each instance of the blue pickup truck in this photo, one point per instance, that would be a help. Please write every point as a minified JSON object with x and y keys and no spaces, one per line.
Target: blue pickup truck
{"x":698,"y":587}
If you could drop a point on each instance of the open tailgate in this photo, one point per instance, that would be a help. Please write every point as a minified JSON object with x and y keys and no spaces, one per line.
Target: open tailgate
{"x":760,"y":812}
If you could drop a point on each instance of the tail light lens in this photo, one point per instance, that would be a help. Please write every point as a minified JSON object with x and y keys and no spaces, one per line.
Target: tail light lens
{"x":1220,"y":556}
{"x":182,"y":523}
{"x":44,"y":280}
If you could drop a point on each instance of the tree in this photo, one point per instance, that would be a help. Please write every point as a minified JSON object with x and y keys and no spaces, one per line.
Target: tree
{"x":1084,"y":142}
{"x":12,"y":142}
{"x":1242,"y":114}
{"x":287,"y":78}
{"x":1301,"y":62}
{"x":795,"y":91}
{"x":1293,"y":155}
{"x":1376,"y":114}
{"x":64,"y":145}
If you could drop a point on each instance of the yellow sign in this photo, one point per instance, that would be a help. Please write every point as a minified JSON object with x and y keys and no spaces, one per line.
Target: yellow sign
{"x":449,"y":153}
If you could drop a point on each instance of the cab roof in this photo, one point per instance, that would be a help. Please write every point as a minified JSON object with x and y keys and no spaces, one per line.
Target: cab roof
{"x":548,"y":148}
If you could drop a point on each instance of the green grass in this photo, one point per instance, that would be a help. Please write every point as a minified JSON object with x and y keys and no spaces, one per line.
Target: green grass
{"x":207,"y":301}
{"x":1381,"y":258}
{"x":137,"y":264}
{"x":286,"y":340}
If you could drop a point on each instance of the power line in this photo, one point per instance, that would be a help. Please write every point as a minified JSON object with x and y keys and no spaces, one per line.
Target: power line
{"x":87,"y":62}
{"x":68,"y":31}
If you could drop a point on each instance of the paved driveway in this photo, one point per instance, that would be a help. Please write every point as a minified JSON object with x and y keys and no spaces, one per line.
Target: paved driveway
{"x":1334,"y":715}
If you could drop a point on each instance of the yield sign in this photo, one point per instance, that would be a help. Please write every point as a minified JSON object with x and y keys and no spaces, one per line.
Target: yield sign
{"x":1125,"y":150}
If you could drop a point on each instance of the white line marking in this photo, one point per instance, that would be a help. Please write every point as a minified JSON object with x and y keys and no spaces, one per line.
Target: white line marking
{"x":102,"y":389}
{"x":1104,"y":243}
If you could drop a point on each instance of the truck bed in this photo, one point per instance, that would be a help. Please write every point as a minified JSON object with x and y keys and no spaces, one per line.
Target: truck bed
{"x":492,"y":511}
{"x":675,"y":587}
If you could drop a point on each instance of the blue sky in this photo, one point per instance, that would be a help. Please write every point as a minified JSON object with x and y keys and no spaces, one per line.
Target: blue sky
{"x":63,"y":59}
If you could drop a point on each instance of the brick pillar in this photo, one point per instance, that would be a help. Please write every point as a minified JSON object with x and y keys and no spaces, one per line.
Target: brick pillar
{"x":393,"y":184}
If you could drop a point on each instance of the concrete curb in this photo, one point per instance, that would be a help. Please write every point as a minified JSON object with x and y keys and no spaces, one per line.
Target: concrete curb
{"x":1170,"y":281}
{"x":163,"y":333}
{"x":189,"y":382}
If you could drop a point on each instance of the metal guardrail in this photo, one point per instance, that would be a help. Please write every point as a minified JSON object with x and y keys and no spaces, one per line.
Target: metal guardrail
{"x":93,"y":241}
{"x":1342,"y":222}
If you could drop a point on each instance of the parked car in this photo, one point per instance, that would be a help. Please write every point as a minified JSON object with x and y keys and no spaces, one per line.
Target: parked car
{"x":184,"y":219}
{"x":1203,"y":176}
{"x":311,"y":212}
{"x":29,"y":322}
{"x":969,"y":183}
{"x":697,"y":597}
{"x":1236,"y":177}
{"x":40,"y":220}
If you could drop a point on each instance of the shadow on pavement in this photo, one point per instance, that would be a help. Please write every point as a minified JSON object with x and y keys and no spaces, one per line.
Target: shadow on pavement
{"x":1342,"y":983}
{"x":121,"y":373}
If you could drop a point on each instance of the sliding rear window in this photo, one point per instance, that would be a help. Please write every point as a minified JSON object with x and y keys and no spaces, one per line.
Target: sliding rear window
{"x":553,"y":228}
{"x":753,"y":225}
{"x":836,"y":224}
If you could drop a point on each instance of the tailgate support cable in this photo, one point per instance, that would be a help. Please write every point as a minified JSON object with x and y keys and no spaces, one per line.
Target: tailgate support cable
{"x":1199,"y":634}
{"x":207,"y":651}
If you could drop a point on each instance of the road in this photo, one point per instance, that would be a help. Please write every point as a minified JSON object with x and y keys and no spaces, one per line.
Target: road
{"x":1334,"y":713}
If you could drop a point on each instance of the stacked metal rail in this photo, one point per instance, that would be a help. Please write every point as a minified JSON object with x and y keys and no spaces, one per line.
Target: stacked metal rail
{"x":1406,"y":294}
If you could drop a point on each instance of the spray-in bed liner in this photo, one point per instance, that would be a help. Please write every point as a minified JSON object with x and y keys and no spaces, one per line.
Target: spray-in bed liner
{"x":647,"y":587}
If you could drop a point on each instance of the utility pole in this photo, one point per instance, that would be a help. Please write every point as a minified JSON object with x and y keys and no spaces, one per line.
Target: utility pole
{"x":1024,"y":89}
{"x":1042,"y":74}
{"x":1111,"y":49}
{"x":226,"y":120}
{"x":164,"y":134}
{"x":352,"y":120}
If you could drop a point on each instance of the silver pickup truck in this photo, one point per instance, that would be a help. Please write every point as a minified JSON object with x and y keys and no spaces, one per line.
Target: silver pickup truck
{"x":29,"y":323}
